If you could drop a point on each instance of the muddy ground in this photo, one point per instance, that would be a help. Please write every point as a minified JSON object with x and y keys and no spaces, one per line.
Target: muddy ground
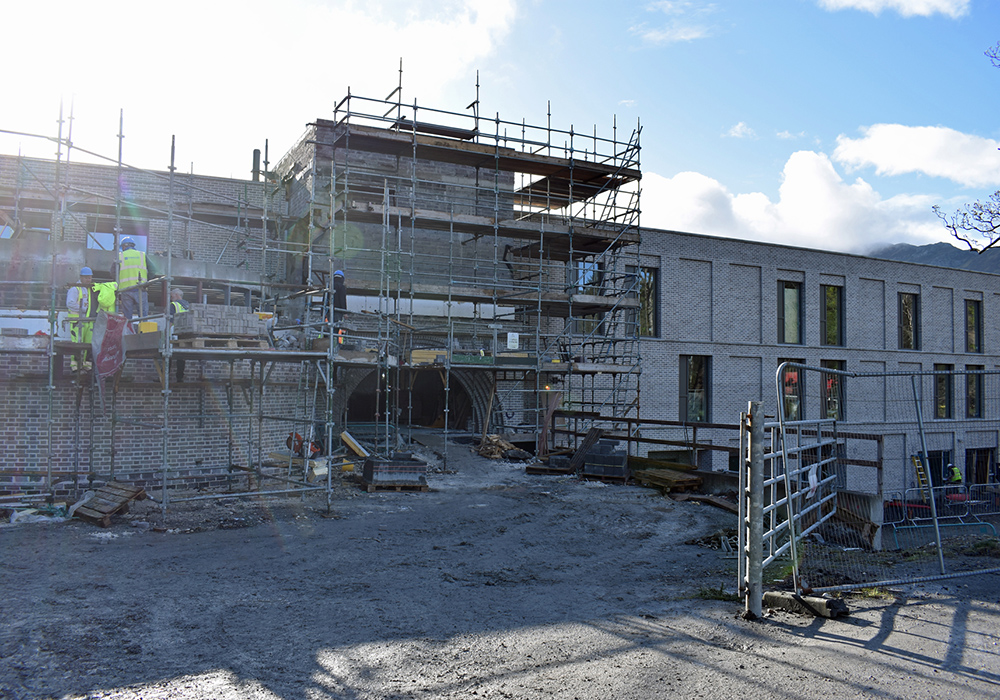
{"x":494,"y":584}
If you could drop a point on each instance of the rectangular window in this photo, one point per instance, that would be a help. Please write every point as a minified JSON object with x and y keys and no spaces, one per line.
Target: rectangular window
{"x":832,"y":389}
{"x":587,"y":277}
{"x":790,"y":313}
{"x":974,"y":391}
{"x":792,"y":390}
{"x":943,"y":390}
{"x":937,"y":465}
{"x":909,"y":321}
{"x":831,"y":324}
{"x":649,"y":307}
{"x":101,"y":232}
{"x":973,"y":325}
{"x":695,"y":378}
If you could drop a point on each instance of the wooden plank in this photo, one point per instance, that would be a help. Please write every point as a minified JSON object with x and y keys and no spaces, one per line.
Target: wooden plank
{"x":589,"y":440}
{"x":354,"y":445}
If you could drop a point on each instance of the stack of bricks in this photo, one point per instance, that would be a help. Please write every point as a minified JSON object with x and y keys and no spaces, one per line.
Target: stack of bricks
{"x":218,"y":320}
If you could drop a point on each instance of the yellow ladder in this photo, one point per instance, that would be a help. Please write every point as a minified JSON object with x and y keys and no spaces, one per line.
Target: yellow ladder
{"x":922,"y":481}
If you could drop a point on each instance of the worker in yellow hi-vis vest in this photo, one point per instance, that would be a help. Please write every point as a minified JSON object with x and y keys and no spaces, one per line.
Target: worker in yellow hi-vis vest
{"x":79,"y":303}
{"x":132,"y":272}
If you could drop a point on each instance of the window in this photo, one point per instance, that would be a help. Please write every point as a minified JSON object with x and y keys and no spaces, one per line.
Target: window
{"x":649,"y":295}
{"x":832,"y":389}
{"x":937,"y":465}
{"x":973,"y":325}
{"x":101,"y":232}
{"x":695,"y":375}
{"x":909,"y":321}
{"x":792,"y":390}
{"x":587,"y":277}
{"x":644,"y":321}
{"x":831,"y":323}
{"x":790,"y":313}
{"x":943,"y":390}
{"x":974,"y":391}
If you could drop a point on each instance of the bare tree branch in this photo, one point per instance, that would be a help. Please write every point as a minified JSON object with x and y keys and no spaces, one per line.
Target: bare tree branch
{"x":977,"y":225}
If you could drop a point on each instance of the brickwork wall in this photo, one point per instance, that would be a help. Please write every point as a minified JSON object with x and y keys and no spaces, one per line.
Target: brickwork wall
{"x":714,"y":308}
{"x":199,"y":435}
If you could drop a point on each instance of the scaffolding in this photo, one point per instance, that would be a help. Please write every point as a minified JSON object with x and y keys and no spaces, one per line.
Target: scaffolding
{"x":492,"y":276}
{"x":502,"y":257}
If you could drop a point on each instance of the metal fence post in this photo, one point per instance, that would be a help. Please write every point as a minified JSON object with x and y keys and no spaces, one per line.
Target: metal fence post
{"x":755,"y":526}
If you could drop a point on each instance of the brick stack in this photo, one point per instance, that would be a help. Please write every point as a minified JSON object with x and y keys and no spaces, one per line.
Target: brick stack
{"x":204,"y":320}
{"x":606,"y":459}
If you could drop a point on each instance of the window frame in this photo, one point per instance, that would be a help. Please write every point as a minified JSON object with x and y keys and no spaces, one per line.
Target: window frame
{"x":824,"y":325}
{"x":798,"y":393}
{"x":783,"y":329}
{"x":944,"y":391}
{"x":687,"y":393}
{"x":974,"y":391}
{"x":974,"y":326}
{"x":913,"y":328}
{"x":837,"y":382}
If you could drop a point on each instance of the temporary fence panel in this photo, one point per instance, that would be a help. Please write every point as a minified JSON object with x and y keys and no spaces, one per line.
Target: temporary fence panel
{"x":863,"y":487}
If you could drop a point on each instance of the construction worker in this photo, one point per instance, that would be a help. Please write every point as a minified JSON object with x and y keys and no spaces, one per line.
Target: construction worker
{"x":131,"y":272}
{"x":178,"y":304}
{"x":79,"y":302}
{"x":954,"y":475}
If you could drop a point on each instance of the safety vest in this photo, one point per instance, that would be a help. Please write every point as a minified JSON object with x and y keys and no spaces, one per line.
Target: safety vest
{"x":83,"y":294}
{"x":131,"y":268}
{"x":106,"y":296}
{"x":178,"y":307}
{"x":955,"y":476}
{"x":79,"y":331}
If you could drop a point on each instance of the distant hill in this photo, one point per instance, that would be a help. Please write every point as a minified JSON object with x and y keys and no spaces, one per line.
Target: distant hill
{"x":942,"y":255}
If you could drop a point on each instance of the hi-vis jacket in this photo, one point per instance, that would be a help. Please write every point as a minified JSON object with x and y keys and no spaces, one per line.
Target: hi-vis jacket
{"x":131,"y":268}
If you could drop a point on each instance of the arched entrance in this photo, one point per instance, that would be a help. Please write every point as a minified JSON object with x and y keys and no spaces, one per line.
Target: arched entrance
{"x":420,"y":396}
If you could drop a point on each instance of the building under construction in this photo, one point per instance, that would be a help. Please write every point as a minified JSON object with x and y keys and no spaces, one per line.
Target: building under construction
{"x":401,"y":267}
{"x":395,"y":268}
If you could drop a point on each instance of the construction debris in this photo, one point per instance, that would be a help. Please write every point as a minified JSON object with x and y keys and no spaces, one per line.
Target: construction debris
{"x":495,"y":447}
{"x":805,"y":604}
{"x":111,"y":499}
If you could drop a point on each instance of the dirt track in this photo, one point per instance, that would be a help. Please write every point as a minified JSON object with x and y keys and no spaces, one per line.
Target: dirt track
{"x":493,"y":585}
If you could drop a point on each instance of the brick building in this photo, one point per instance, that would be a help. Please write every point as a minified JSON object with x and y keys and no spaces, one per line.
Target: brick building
{"x":496,"y":276}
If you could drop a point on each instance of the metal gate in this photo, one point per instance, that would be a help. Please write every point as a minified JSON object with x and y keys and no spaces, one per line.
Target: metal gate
{"x":860,"y":488}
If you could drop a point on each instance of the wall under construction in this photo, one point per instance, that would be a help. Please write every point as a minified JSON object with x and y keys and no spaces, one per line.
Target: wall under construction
{"x":491,"y":279}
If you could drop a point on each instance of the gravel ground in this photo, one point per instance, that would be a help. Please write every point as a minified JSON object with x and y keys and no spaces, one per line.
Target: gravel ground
{"x":494,"y":584}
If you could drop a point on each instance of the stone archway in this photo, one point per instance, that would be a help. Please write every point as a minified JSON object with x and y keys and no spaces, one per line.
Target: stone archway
{"x":421,"y":398}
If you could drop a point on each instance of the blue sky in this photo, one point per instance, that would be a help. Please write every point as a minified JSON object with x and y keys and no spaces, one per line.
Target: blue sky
{"x":833,"y":124}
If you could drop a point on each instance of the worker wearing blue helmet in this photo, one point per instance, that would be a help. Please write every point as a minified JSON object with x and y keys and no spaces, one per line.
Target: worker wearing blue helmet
{"x":132,"y":272}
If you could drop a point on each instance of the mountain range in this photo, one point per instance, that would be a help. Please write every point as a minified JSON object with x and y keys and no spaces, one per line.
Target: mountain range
{"x":941,"y":255}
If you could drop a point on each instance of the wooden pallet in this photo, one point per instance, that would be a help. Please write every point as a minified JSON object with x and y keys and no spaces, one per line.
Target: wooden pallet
{"x":667,"y":480}
{"x":111,"y":499}
{"x":226,"y":343}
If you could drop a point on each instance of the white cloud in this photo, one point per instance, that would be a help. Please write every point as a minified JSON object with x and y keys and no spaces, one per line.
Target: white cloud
{"x":815,"y":209}
{"x":788,"y":135}
{"x":741,"y":131}
{"x":219,"y":83}
{"x":894,"y":149}
{"x":682,"y":22}
{"x":906,"y":8}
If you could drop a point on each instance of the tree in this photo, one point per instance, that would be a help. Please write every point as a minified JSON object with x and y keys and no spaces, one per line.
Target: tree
{"x":977,"y":225}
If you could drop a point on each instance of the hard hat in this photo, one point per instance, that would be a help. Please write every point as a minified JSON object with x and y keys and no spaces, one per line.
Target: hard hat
{"x":338,"y":273}
{"x":85,"y":271}
{"x":127,"y":240}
